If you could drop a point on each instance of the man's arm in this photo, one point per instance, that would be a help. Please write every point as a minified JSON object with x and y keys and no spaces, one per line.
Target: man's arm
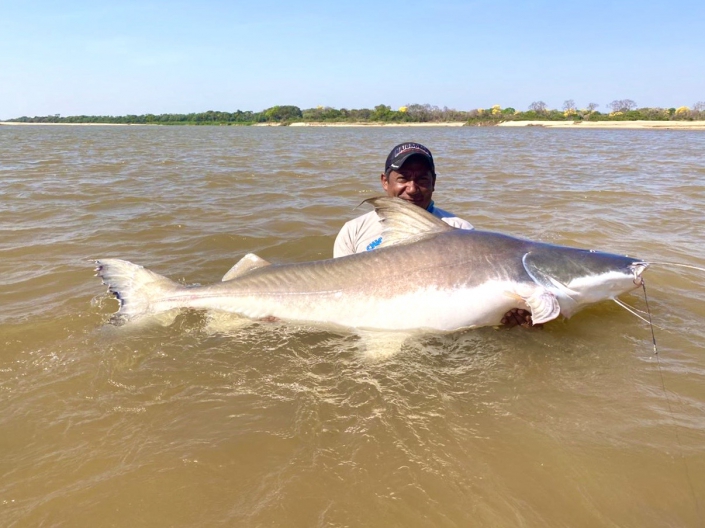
{"x":344,"y":244}
{"x":451,"y":219}
{"x":357,"y":234}
{"x":461,"y":224}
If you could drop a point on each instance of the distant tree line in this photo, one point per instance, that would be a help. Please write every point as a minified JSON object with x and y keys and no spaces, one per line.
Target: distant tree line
{"x":619,"y":110}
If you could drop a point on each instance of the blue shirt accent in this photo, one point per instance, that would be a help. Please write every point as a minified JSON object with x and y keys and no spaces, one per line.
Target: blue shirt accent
{"x":430,"y":207}
{"x":374,"y":244}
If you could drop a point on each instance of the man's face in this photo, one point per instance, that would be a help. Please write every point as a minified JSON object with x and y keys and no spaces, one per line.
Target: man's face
{"x":413,"y":182}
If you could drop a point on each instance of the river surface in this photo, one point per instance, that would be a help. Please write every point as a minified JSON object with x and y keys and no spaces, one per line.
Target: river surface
{"x":202,"y":422}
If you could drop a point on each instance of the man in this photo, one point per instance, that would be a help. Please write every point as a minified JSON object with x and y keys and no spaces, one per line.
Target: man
{"x":409,"y":174}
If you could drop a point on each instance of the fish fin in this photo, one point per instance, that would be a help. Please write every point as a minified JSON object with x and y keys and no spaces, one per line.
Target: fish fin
{"x":134,"y":286}
{"x":378,"y":345}
{"x":544,"y":306}
{"x":403,"y":222}
{"x":245,"y":265}
{"x":225,"y":323}
{"x":542,"y":303}
{"x":543,"y":279}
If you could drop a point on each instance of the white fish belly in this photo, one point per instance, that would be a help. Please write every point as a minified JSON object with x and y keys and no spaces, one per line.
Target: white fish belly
{"x":423,"y":308}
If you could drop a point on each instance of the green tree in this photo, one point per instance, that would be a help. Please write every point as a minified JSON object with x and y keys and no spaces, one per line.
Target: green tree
{"x":282,"y":113}
{"x":382,"y":113}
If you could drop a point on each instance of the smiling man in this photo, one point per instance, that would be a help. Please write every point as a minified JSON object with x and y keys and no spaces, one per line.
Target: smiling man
{"x":409,"y":174}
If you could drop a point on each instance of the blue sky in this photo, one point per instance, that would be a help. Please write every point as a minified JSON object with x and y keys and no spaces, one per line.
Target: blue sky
{"x":137,"y":57}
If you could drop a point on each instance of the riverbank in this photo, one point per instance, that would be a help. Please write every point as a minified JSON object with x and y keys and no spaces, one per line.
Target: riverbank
{"x":668,"y":125}
{"x":663,"y":125}
{"x":18,"y":123}
{"x":298,"y":124}
{"x":376,"y":124}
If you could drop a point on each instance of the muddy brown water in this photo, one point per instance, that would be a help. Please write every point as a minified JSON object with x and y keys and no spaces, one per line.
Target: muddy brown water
{"x":271,"y":424}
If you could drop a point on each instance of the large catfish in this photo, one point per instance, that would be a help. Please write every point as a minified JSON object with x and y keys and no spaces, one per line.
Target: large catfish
{"x":426,"y":275}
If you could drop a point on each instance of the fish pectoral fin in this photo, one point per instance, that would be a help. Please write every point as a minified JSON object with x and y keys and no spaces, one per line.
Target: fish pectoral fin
{"x":544,"y":306}
{"x":542,"y":303}
{"x":403,"y":222}
{"x":246,"y":264}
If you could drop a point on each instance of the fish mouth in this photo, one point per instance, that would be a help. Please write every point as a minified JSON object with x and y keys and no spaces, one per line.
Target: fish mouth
{"x":637,"y":268}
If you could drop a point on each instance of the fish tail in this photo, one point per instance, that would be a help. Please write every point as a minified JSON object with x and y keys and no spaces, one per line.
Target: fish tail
{"x":137,"y":288}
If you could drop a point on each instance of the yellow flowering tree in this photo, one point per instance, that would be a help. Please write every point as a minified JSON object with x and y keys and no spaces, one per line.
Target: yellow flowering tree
{"x":569,"y":108}
{"x":682,"y":112}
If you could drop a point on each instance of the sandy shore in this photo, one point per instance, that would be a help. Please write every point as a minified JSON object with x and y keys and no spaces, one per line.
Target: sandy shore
{"x":343,"y":124}
{"x":668,"y":125}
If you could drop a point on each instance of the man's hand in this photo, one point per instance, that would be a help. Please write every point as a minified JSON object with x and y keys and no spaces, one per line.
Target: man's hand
{"x":516,"y":317}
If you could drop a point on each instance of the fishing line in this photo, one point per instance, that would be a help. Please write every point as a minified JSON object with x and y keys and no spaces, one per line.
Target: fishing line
{"x":634,"y":311}
{"x":643,"y":312}
{"x":668,"y":402}
{"x":651,"y":324}
{"x":678,"y":265}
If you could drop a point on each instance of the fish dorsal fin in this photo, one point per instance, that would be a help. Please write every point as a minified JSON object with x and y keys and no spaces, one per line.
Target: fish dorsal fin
{"x":403,"y":222}
{"x":532,"y":265}
{"x":245,"y":265}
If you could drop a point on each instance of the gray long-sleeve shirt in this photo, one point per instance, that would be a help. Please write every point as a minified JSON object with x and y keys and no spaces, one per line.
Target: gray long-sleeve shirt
{"x":364,"y":233}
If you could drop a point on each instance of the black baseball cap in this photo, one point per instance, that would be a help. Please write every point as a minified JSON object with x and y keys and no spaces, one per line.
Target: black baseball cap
{"x":402,"y":152}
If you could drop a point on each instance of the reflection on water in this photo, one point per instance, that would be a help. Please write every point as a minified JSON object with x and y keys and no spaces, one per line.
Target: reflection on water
{"x":208,"y":420}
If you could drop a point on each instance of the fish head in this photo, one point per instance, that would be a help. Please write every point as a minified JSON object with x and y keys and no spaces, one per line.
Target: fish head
{"x":579,"y":277}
